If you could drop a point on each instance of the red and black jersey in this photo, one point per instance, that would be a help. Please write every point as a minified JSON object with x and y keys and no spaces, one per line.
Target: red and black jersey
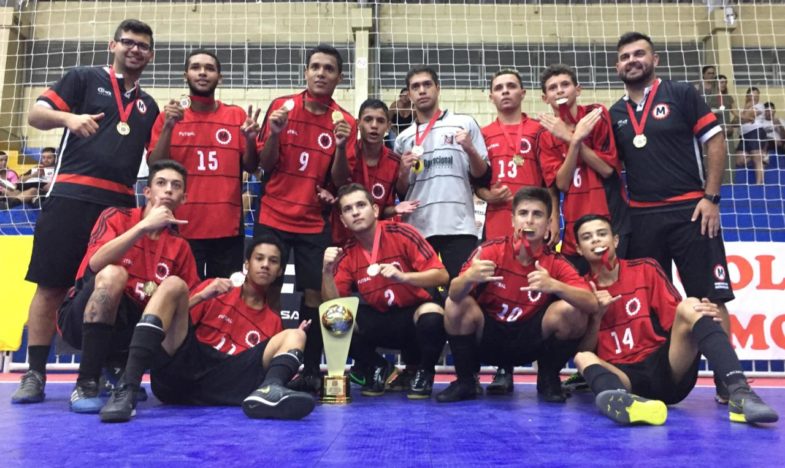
{"x":589,"y":193}
{"x":227,"y":324}
{"x":306,"y":148}
{"x":400,"y":244}
{"x":502,"y":147}
{"x":148,"y":259}
{"x":379,"y":180}
{"x":636,"y":325}
{"x":669,"y":168}
{"x":211,"y":146}
{"x":503,"y":300}
{"x":102,"y":168}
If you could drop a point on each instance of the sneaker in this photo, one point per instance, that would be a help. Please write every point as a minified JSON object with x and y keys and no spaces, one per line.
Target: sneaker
{"x":278,"y":402}
{"x":549,"y":387}
{"x":575,"y":383}
{"x":747,"y":407}
{"x":121,"y":406}
{"x":421,"y":386}
{"x":626,"y":408}
{"x":85,"y":399}
{"x":31,"y":388}
{"x":502,"y":382}
{"x":109,"y":378}
{"x":458,"y":391}
{"x":358,"y":375}
{"x":722,"y":396}
{"x":381,"y":375}
{"x":306,"y":381}
{"x":402,"y":382}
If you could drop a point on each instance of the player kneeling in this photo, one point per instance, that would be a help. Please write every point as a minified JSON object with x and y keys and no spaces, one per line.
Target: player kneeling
{"x":517,"y":302}
{"x":649,"y":340}
{"x":223,"y":346}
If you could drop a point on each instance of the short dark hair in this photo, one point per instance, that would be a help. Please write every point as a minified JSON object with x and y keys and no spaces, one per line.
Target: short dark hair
{"x":351,"y":188}
{"x":706,"y":67}
{"x":325,"y":49}
{"x":555,"y":70}
{"x":506,"y":71}
{"x":3,"y":153}
{"x":769,"y":105}
{"x":533,"y":193}
{"x":633,"y":36}
{"x":417,"y":69}
{"x":751,"y":89}
{"x":587,"y":218}
{"x":722,"y":77}
{"x":372,"y":104}
{"x":136,"y":27}
{"x":49,"y":149}
{"x":264,"y":239}
{"x":202,"y":52}
{"x":162,"y":164}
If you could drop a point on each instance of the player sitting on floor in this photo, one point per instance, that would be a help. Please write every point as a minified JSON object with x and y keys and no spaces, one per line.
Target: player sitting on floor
{"x":217,"y":347}
{"x":649,"y":341}
{"x":390,"y":264}
{"x":517,"y":302}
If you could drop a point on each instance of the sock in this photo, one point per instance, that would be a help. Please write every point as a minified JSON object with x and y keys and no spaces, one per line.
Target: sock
{"x":148,"y":335}
{"x":555,"y":354}
{"x":313,"y":345}
{"x":465,"y":356}
{"x":431,"y":338}
{"x":96,"y":345}
{"x":282,"y":368}
{"x":600,"y":379}
{"x":713,"y":343}
{"x":38,"y":355}
{"x":364,"y":353}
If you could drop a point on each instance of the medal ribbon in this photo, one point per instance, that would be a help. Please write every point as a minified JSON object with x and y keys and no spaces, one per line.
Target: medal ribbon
{"x":606,"y":261}
{"x":159,"y":249}
{"x":377,"y":235}
{"x":122,"y":113}
{"x":364,"y":167}
{"x":639,"y":126}
{"x":515,"y":144}
{"x":419,"y":139}
{"x":520,"y":244}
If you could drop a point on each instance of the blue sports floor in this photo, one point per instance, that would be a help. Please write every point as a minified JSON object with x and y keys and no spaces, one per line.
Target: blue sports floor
{"x":389,"y":431}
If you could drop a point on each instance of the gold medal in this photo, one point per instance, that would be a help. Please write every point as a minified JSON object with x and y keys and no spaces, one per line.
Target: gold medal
{"x":639,"y":141}
{"x":373,"y":269}
{"x":123,"y":128}
{"x":149,"y":288}
{"x":418,"y":166}
{"x":288,"y":105}
{"x":185,"y":101}
{"x":517,"y":160}
{"x":337,"y":116}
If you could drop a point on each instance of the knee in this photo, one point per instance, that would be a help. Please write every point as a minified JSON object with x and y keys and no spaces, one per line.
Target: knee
{"x":567,"y":322}
{"x":173,"y":286}
{"x":428,"y":308}
{"x":293,"y":338}
{"x":686,"y":313}
{"x":111,"y":276}
{"x":584,"y":359}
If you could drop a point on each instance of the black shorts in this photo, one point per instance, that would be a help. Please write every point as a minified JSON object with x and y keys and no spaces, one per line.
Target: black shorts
{"x":197,"y":374}
{"x":753,"y":141}
{"x":653,"y":378}
{"x":582,"y":265}
{"x":512,"y":343}
{"x":70,"y":316}
{"x":453,"y":250}
{"x":308,"y":254}
{"x":669,"y":235}
{"x":393,"y":329}
{"x":60,"y":240}
{"x":218,"y":258}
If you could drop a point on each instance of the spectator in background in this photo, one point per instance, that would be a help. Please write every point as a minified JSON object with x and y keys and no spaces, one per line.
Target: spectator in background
{"x":723,"y":106}
{"x":775,"y":132}
{"x":753,"y":144}
{"x":8,"y":180}
{"x":36,"y":180}
{"x":707,"y":86}
{"x":401,"y":115}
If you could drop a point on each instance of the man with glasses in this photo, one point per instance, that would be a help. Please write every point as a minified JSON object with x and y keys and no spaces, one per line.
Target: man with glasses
{"x":107,"y":120}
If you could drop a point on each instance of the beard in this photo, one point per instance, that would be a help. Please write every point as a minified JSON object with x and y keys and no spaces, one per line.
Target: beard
{"x":646,"y":73}
{"x":196,"y":92}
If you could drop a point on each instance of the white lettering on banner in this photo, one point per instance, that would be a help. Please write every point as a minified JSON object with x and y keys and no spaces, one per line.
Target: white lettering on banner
{"x":756,"y":271}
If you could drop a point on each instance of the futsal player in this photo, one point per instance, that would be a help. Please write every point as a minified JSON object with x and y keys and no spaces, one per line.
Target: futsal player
{"x":222,"y":346}
{"x":216,"y":143}
{"x":131,"y":252}
{"x":297,"y":144}
{"x":390,"y":265}
{"x":100,"y":152}
{"x":516,"y":301}
{"x":649,"y":341}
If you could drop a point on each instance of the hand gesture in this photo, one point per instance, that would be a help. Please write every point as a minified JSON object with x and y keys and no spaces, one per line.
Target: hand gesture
{"x":709,"y":309}
{"x":407,"y":161}
{"x":159,"y":217}
{"x":390,"y":271}
{"x":277,"y":120}
{"x":251,"y":127}
{"x":406,"y":207}
{"x":83,"y":125}
{"x":342,"y":130}
{"x":586,"y":125}
{"x":173,"y":113}
{"x":556,"y":126}
{"x":709,"y":214}
{"x":463,"y":138}
{"x":482,"y":271}
{"x":305,"y":325}
{"x":604,"y":298}
{"x":498,"y":194}
{"x":324,"y":196}
{"x":330,"y":256}
{"x":540,"y":280}
{"x":217,"y":287}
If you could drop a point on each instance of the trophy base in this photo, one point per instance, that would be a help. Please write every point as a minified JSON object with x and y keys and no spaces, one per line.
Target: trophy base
{"x":336,"y":390}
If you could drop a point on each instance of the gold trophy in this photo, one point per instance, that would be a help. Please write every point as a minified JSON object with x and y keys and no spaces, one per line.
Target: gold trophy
{"x":336,"y":317}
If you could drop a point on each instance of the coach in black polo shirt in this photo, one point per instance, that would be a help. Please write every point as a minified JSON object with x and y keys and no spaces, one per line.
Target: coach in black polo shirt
{"x":660,"y":128}
{"x":107,"y":120}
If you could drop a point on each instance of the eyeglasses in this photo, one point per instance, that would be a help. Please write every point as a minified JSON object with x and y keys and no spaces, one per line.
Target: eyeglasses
{"x":130,"y":44}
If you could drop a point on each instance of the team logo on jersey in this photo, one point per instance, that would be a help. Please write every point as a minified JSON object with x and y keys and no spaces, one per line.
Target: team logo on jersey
{"x":621,"y":123}
{"x":449,"y":139}
{"x":493,"y":146}
{"x":104,"y":92}
{"x":141,"y":106}
{"x":325,"y":140}
{"x":534,"y":296}
{"x":719,"y":272}
{"x":161,"y":271}
{"x":661,"y":111}
{"x":378,"y":191}
{"x":127,"y":262}
{"x":252,"y":338}
{"x":526,"y":146}
{"x":633,"y":306}
{"x":223,"y":136}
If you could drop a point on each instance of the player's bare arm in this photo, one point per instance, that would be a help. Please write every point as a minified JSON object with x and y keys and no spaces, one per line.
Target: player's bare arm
{"x":540,"y":280}
{"x":217,"y":287}
{"x":706,"y":211}
{"x":269,"y":154}
{"x":421,"y":279}
{"x":44,"y":118}
{"x":329,"y":289}
{"x":173,"y":113}
{"x":480,"y":271}
{"x":250,"y":129}
{"x":477,"y":166}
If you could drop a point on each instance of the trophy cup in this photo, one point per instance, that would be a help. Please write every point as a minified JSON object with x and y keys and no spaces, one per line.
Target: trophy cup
{"x":336,"y":317}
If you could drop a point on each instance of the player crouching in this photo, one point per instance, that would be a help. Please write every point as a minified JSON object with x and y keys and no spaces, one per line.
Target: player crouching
{"x":649,"y":340}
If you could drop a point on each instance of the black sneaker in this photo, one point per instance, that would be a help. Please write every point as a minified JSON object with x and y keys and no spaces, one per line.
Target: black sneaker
{"x":747,"y":407}
{"x":275,"y":401}
{"x":626,"y":408}
{"x":402,"y":382}
{"x":502,"y":382}
{"x":85,"y":397}
{"x":458,"y":391}
{"x":31,"y":388}
{"x":575,"y":383}
{"x":421,"y":386}
{"x":306,"y":381}
{"x":121,"y":406}
{"x":378,"y":380}
{"x":549,"y":387}
{"x":722,"y":396}
{"x":109,"y":378}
